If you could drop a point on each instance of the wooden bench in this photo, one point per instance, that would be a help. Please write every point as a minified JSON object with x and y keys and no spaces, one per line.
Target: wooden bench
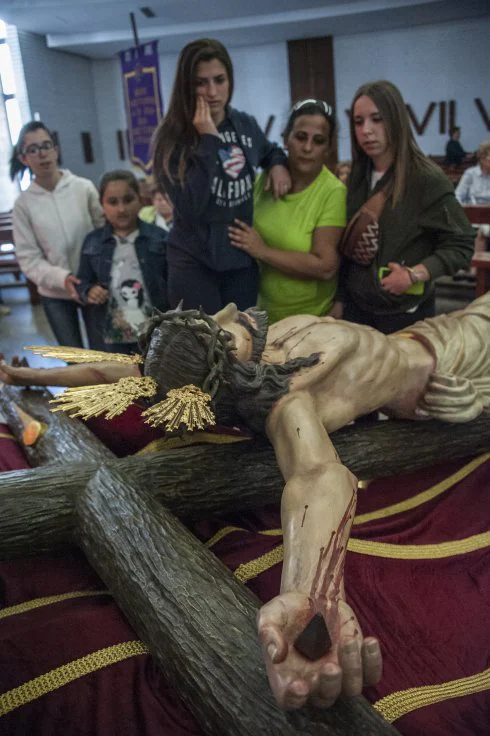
{"x":454,"y":173}
{"x":481,"y":261}
{"x":477,"y":214}
{"x":8,"y":260}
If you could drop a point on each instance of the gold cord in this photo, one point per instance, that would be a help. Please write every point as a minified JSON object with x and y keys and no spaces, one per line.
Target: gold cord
{"x":400,"y":703}
{"x":56,"y":678}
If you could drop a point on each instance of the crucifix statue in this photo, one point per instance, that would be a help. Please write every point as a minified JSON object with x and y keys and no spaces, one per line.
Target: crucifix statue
{"x":297,"y":382}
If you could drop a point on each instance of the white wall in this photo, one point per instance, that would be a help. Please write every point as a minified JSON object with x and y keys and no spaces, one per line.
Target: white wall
{"x":448,"y":61}
{"x":428,"y":63}
{"x":111,"y":116}
{"x":60,"y":89}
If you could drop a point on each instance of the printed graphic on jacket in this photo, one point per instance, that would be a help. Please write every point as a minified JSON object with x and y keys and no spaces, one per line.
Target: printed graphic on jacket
{"x":234,"y":183}
{"x":129,"y":306}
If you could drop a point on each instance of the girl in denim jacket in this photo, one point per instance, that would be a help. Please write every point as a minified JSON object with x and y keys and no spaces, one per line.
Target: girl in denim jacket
{"x":122,"y":268}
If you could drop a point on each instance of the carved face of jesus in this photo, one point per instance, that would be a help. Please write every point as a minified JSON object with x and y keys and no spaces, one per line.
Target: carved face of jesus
{"x":228,"y":319}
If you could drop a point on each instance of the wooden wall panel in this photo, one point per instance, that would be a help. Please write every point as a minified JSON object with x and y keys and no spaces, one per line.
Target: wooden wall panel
{"x":311,"y":74}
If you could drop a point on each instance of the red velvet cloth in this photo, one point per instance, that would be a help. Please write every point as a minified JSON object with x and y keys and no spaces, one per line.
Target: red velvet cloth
{"x":431,"y":616}
{"x":129,"y":697}
{"x":127,"y":434}
{"x":11,"y":454}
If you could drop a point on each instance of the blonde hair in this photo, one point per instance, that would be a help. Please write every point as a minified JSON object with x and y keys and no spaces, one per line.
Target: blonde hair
{"x":483,"y":150}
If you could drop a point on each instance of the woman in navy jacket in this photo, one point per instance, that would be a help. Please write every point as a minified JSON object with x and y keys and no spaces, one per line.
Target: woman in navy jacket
{"x":205,"y":157}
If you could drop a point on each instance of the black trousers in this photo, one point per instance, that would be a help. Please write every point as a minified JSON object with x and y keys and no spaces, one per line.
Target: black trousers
{"x":199,"y":286}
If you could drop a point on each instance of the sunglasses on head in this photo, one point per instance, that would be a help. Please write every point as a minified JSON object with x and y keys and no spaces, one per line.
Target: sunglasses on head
{"x":321,"y":103}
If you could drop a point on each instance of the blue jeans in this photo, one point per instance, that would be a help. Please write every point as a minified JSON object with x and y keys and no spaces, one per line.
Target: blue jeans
{"x":62,"y":316}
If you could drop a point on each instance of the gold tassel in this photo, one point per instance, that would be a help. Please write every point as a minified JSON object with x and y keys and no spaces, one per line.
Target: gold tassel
{"x":186,"y":405}
{"x":110,"y":399}
{"x":80,"y":355}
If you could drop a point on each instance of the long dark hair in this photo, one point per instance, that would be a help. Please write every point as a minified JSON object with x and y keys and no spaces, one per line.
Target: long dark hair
{"x":184,"y":347}
{"x":16,"y":165}
{"x":406,"y":153}
{"x":176,"y":136}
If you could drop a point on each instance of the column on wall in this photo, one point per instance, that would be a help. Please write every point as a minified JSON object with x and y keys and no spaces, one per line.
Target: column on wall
{"x":311,"y":74}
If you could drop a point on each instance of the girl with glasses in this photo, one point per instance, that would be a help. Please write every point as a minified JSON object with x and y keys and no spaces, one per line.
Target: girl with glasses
{"x":50,"y":221}
{"x":205,"y":158}
{"x":295,"y":239}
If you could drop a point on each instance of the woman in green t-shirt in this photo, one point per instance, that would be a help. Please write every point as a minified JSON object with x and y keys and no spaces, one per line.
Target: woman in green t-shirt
{"x":295,"y":238}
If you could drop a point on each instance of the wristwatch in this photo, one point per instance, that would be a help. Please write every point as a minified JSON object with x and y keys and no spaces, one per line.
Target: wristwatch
{"x":415,"y":276}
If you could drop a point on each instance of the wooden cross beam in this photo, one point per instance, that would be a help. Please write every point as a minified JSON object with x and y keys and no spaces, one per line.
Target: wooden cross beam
{"x":196,"y":618}
{"x":37,"y":505}
{"x":175,"y":593}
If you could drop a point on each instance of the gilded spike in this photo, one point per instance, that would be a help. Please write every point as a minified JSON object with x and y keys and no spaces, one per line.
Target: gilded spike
{"x":186,"y":406}
{"x":80,"y":355}
{"x":110,"y":399}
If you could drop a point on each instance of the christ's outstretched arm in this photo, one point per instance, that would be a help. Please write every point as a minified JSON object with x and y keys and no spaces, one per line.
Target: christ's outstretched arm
{"x":318,"y":507}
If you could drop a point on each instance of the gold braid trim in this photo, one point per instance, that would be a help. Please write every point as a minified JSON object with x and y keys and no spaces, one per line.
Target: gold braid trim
{"x":56,"y":678}
{"x":47,"y":601}
{"x":423,"y":496}
{"x":80,"y":355}
{"x":229,"y":529}
{"x":398,"y":704}
{"x":110,"y":399}
{"x":250,"y":570}
{"x":4,"y":436}
{"x":419,"y":551}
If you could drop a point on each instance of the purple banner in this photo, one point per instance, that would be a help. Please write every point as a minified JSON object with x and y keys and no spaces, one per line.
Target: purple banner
{"x":143,"y":100}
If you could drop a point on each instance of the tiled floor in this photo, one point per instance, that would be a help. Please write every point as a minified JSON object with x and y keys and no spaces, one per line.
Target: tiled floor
{"x":25,"y":325}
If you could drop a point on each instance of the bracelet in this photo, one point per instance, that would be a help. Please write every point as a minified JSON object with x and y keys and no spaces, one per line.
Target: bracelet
{"x":415,"y":276}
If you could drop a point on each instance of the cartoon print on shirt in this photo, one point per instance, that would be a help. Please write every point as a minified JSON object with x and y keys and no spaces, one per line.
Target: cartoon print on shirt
{"x":132,"y":303}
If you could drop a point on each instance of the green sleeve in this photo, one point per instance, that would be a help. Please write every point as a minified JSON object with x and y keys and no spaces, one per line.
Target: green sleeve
{"x":443,"y":217}
{"x":334,"y":210}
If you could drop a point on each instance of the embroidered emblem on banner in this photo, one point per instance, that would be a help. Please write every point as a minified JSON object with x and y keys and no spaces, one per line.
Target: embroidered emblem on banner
{"x":233,"y":160}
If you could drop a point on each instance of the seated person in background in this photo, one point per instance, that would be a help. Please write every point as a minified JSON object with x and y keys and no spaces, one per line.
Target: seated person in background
{"x":122,"y":268}
{"x":455,"y":153}
{"x":295,"y":239}
{"x":297,"y":382}
{"x":474,"y":188}
{"x":474,"y":185}
{"x":144,"y":187}
{"x":342,"y":171}
{"x":161,"y":211}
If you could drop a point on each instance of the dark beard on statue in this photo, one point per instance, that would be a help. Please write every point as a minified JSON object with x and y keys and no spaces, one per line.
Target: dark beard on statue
{"x":259,"y":333}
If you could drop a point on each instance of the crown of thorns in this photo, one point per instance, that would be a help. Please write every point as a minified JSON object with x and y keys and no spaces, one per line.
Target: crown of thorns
{"x":187,"y":406}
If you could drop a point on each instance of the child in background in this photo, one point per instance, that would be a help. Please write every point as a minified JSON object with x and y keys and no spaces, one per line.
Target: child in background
{"x":161,"y":211}
{"x":342,"y":171}
{"x":122,"y":268}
